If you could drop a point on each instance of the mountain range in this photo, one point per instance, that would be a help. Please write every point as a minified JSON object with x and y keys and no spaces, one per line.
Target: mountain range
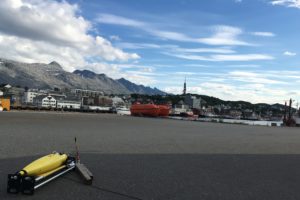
{"x":52,"y":75}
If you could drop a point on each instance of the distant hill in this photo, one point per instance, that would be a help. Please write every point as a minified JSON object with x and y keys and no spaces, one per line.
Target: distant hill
{"x":47,"y":76}
{"x":213,"y":101}
{"x":263,"y":108}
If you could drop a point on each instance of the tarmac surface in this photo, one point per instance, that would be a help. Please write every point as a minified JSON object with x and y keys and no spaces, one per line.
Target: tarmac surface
{"x":147,"y":158}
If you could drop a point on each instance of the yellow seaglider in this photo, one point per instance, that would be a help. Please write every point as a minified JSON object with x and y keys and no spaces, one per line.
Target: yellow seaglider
{"x":45,"y":165}
{"x":40,"y":172}
{"x":44,"y":170}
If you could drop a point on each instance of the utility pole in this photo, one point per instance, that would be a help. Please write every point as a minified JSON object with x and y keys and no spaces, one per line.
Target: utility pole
{"x":290,"y":110}
{"x":284,"y":116}
{"x":289,"y":120}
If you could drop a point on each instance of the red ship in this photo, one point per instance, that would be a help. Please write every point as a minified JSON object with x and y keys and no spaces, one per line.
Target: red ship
{"x":164,"y":110}
{"x":149,"y":110}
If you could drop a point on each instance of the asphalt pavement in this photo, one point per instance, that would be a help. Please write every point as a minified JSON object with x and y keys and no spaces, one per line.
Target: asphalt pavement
{"x":146,"y":158}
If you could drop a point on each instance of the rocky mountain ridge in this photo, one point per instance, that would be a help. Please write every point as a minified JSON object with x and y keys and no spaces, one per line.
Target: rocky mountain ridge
{"x":52,"y":75}
{"x":139,"y":89}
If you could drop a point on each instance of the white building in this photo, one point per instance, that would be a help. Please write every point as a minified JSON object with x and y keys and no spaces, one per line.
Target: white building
{"x":1,"y":93}
{"x":45,"y":101}
{"x":180,"y":108}
{"x":30,"y":95}
{"x":70,"y":104}
{"x":51,"y":101}
{"x":8,"y":86}
{"x":88,"y":93}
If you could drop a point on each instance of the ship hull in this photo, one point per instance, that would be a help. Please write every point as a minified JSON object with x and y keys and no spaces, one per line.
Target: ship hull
{"x":164,"y":110}
{"x":149,"y":110}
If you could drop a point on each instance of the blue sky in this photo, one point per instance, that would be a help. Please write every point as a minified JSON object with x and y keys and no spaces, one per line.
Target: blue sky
{"x":232,"y":49}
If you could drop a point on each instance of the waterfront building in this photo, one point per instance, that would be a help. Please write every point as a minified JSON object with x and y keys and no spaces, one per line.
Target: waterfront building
{"x":29,"y":95}
{"x":103,"y":101}
{"x":57,"y":101}
{"x":15,"y":94}
{"x":45,"y":101}
{"x":86,"y":93}
{"x":179,"y":108}
{"x":117,"y":101}
{"x":69,"y":102}
{"x":192,"y":101}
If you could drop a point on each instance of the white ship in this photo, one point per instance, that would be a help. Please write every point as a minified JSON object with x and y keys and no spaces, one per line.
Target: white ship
{"x":123,"y":110}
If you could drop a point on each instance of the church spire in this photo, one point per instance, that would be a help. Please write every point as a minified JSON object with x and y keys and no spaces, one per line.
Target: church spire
{"x":184,"y":86}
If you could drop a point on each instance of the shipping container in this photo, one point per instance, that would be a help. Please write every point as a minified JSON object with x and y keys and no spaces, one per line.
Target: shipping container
{"x":5,"y":104}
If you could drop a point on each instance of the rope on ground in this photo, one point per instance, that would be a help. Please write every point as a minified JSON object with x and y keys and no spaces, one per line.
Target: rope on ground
{"x":106,"y":190}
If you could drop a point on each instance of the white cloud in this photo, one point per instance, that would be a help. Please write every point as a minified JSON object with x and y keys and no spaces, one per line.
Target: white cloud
{"x":251,"y":77}
{"x":205,"y":50}
{"x":44,"y":20}
{"x":185,"y":73}
{"x":174,"y":48}
{"x":127,"y":45}
{"x":42,"y":31}
{"x":244,"y":76}
{"x":222,"y":34}
{"x":139,"y":77}
{"x":26,"y":50}
{"x":104,"y":48}
{"x":171,"y":35}
{"x":244,"y":66}
{"x":138,"y":74}
{"x":288,"y":3}
{"x":221,"y":58}
{"x":123,"y":21}
{"x":242,"y":57}
{"x":118,"y":20}
{"x":114,"y":37}
{"x":263,"y":34}
{"x":255,"y":93}
{"x":288,"y":53}
{"x":258,"y":86}
{"x":196,"y":65}
{"x":188,"y":57}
